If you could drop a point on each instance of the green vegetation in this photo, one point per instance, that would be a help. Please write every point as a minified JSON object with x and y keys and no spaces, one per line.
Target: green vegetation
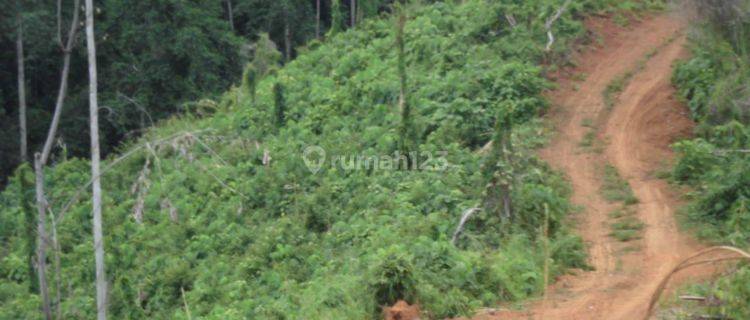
{"x":615,"y":188}
{"x":614,"y":88}
{"x":626,"y":226}
{"x":716,"y":162}
{"x":216,"y":210}
{"x":626,"y":229}
{"x":587,"y":122}
{"x":154,"y":57}
{"x":588,"y":139}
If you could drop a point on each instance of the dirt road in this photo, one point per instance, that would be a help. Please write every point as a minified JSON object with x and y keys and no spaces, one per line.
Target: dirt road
{"x":635,"y":135}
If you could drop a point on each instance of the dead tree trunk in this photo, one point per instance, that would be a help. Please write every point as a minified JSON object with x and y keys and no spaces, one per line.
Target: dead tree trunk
{"x":21,"y":89}
{"x":63,"y":90}
{"x":287,"y":35}
{"x":40,"y":159}
{"x":317,"y":19}
{"x":58,"y":280}
{"x":499,"y":170}
{"x":353,"y":12}
{"x":41,"y":241}
{"x":403,"y":101}
{"x":230,"y":13}
{"x":101,"y":277}
{"x":550,"y":21}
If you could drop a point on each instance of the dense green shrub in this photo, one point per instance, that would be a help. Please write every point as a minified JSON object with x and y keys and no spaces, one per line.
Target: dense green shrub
{"x":236,"y":226}
{"x":716,"y":163}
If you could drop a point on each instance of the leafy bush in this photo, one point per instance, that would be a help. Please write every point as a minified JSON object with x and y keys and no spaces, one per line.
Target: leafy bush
{"x":716,"y":163}
{"x":236,"y":226}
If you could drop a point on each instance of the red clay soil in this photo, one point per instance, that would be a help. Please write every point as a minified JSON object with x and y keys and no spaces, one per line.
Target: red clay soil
{"x":636,"y":134}
{"x":401,"y":311}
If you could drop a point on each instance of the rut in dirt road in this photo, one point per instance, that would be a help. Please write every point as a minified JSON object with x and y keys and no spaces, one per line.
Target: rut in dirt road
{"x":635,"y":134}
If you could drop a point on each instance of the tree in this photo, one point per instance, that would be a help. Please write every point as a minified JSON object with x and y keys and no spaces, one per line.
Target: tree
{"x":279,"y":104}
{"x":230,"y":14}
{"x":21,"y":86}
{"x":317,"y":19}
{"x":266,"y":57}
{"x":287,"y":32}
{"x":40,"y":159}
{"x":499,"y":169}
{"x":101,"y":277}
{"x":66,"y":48}
{"x":403,"y":103}
{"x":337,"y":19}
{"x":41,"y":242}
{"x":353,"y":12}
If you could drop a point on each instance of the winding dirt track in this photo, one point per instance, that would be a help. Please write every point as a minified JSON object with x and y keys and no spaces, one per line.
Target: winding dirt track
{"x":636,"y":133}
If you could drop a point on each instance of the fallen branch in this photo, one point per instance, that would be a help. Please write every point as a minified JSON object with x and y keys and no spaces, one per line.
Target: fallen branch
{"x":692,"y":298}
{"x":511,"y":20}
{"x":550,"y":21}
{"x":79,"y":192}
{"x":464,"y":217}
{"x":687,"y":263}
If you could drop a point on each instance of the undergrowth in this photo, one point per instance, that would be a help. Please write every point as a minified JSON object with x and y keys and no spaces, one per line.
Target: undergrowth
{"x":715,"y":164}
{"x":217,"y":212}
{"x":615,"y":188}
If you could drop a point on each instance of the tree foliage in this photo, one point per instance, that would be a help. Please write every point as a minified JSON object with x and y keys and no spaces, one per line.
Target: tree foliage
{"x":155,"y":56}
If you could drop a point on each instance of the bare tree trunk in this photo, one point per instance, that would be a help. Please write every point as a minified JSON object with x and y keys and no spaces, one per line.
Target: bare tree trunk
{"x":287,"y":35}
{"x":62,"y":92}
{"x":58,"y":281}
{"x":101,"y":277}
{"x":317,"y":19}
{"x":508,"y":158}
{"x":230,"y":12}
{"x":550,"y":21}
{"x":40,"y":159}
{"x":41,"y":241}
{"x":21,"y":89}
{"x":353,"y":12}
{"x":405,"y":137}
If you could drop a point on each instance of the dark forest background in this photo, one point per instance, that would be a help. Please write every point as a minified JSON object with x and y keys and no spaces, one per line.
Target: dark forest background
{"x":154,"y":57}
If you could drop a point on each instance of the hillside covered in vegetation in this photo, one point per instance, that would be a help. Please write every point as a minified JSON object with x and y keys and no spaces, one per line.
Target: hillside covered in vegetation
{"x":214,"y":214}
{"x":716,"y":163}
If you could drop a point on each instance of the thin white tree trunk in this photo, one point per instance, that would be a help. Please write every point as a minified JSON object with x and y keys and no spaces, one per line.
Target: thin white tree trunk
{"x":230,"y":12}
{"x":317,"y":19}
{"x":62,"y":92}
{"x":550,"y":21}
{"x":101,"y":277}
{"x":353,"y":14}
{"x":21,"y":90}
{"x":41,"y":241}
{"x":58,"y":273}
{"x":40,"y":159}
{"x":287,"y":35}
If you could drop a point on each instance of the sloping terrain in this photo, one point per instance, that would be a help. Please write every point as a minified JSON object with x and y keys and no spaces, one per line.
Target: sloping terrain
{"x":635,"y":136}
{"x":215,"y":214}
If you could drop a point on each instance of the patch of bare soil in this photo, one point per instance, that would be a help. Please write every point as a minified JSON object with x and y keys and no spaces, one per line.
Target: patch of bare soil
{"x":401,"y":310}
{"x":636,"y":135}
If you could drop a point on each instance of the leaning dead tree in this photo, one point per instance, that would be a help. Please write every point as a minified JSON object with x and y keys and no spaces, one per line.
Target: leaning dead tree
{"x":40,"y":159}
{"x":62,"y":92}
{"x":699,"y":258}
{"x":548,"y":24}
{"x":464,"y":218}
